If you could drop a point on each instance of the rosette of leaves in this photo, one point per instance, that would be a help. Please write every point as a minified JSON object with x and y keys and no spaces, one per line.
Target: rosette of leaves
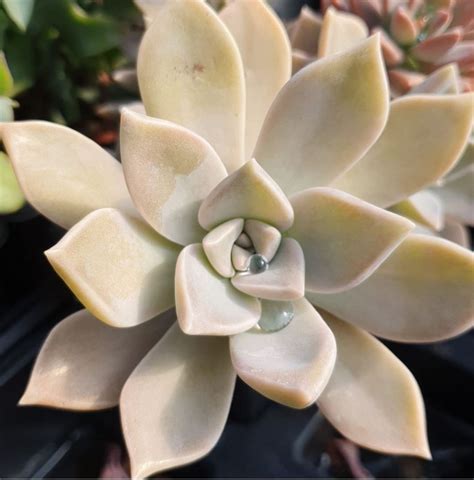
{"x":447,"y":207}
{"x":235,"y":159}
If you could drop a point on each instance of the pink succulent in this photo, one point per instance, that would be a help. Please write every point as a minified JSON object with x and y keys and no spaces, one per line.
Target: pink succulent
{"x":418,"y":36}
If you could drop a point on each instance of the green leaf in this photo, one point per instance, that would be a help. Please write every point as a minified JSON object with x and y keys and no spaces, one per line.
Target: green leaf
{"x":11,"y":197}
{"x":124,"y":10}
{"x":19,"y":11}
{"x":4,"y":23}
{"x":6,"y":79}
{"x":64,"y":102}
{"x":21,"y":60}
{"x":86,"y":35}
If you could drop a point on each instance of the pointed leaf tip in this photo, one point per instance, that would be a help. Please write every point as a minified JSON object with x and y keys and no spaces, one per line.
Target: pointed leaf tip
{"x":78,"y":367}
{"x":175,"y":404}
{"x":371,"y":397}
{"x":325,"y":118}
{"x":181,"y":81}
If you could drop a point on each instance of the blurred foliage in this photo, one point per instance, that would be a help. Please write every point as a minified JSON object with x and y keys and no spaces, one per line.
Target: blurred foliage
{"x":11,"y":198}
{"x":56,"y":55}
{"x":55,"y":61}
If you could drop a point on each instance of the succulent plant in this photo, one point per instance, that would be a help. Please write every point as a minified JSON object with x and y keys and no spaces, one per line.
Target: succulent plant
{"x":126,"y":76}
{"x":447,"y":206}
{"x":238,"y":205}
{"x":418,"y":36}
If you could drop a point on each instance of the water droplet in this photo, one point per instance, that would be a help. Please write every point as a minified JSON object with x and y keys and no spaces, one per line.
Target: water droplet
{"x":275,"y":315}
{"x":257,"y":263}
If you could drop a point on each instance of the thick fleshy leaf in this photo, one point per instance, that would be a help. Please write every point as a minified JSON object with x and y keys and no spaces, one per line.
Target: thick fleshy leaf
{"x":424,"y":208}
{"x":247,"y":193}
{"x":392,"y":53}
{"x":175,"y":404}
{"x":469,"y":36}
{"x":291,"y":366}
{"x":240,"y":258}
{"x":421,"y":293}
{"x":457,"y":195}
{"x":181,"y":81}
{"x":463,"y":14}
{"x":462,"y":54}
{"x":340,"y":32}
{"x":371,"y":397}
{"x":11,"y":196}
{"x":218,"y":245}
{"x":169,"y":171}
{"x":84,"y":364}
{"x":120,"y":269}
{"x":63,"y":174}
{"x":431,"y":49}
{"x":444,"y":80}
{"x":206,"y":303}
{"x":403,"y":27}
{"x":283,"y":280}
{"x":344,"y":239}
{"x":305,"y":31}
{"x":265,"y":238}
{"x":424,"y":136}
{"x":403,"y":81}
{"x":369,"y":10}
{"x":439,"y":22}
{"x":325,"y":118}
{"x":266,"y":55}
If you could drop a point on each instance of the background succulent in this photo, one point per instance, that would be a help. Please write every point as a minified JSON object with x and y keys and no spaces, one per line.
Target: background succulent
{"x":418,"y":36}
{"x":446,"y":208}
